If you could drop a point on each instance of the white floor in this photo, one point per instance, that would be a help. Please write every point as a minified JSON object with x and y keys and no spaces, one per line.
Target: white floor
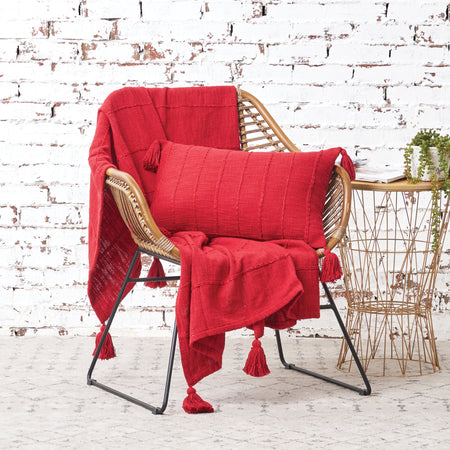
{"x":46,"y":404}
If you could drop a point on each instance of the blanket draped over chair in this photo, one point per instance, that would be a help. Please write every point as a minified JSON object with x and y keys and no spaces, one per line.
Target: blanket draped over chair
{"x":128,"y":122}
{"x":226,"y":283}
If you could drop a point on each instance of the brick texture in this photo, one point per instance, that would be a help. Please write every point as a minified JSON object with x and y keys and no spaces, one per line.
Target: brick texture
{"x":365,"y":75}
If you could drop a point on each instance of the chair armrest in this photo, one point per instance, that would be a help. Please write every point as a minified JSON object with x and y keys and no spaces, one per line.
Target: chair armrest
{"x":135,"y":212}
{"x":336,"y":211}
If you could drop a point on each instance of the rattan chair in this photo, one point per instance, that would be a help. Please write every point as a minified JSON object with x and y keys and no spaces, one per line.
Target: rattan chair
{"x":259,"y":132}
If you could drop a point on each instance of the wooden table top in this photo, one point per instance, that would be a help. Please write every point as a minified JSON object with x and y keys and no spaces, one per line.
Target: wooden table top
{"x":396,"y":186}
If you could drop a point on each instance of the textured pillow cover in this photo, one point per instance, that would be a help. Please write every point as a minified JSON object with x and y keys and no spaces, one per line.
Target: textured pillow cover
{"x":263,"y":196}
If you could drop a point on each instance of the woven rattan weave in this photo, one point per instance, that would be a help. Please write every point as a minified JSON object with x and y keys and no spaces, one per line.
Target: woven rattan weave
{"x":390,"y":274}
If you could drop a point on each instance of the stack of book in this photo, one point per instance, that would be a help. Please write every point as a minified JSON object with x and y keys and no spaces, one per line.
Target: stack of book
{"x":377,"y":174}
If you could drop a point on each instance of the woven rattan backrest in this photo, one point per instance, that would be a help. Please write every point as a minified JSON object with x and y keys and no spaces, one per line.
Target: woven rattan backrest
{"x":259,"y":132}
{"x":257,"y":128}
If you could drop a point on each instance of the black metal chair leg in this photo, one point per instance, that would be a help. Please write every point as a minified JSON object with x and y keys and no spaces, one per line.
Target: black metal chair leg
{"x":111,"y":317}
{"x":93,"y":382}
{"x":332,"y":305}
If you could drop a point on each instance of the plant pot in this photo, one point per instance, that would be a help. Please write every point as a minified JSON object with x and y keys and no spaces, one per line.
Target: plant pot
{"x":415,"y":161}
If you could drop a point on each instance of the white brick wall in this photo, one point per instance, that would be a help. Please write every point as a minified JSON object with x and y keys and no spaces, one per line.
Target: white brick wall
{"x":363,"y":74}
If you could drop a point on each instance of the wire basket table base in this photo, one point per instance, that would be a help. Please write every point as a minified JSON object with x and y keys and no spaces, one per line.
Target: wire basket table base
{"x":390,"y":273}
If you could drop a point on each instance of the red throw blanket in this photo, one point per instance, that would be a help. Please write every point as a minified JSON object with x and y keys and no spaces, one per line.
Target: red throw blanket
{"x":128,"y":122}
{"x":226,"y":283}
{"x":231,"y":283}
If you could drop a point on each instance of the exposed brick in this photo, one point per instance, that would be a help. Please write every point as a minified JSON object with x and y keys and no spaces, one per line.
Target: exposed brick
{"x":417,"y":95}
{"x":54,"y":216}
{"x":23,"y":195}
{"x":23,"y":111}
{"x":261,"y":32}
{"x":321,"y":75}
{"x":42,"y":9}
{"x":47,"y":92}
{"x":311,"y":52}
{"x":383,"y":33}
{"x":428,"y":56}
{"x":83,"y":29}
{"x":348,"y":116}
{"x":225,"y":53}
{"x":233,"y":10}
{"x":326,"y":12}
{"x":426,"y":12}
{"x":433,"y":34}
{"x":111,"y":10}
{"x":351,"y":53}
{"x":211,"y":73}
{"x":200,"y":31}
{"x":267,"y":73}
{"x":351,"y":73}
{"x":396,"y":75}
{"x":164,"y":11}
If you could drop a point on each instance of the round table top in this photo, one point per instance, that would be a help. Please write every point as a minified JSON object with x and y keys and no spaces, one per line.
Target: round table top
{"x":396,"y":186}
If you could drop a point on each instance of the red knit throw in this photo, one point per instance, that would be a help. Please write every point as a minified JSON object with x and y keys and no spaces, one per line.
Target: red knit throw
{"x":128,"y":122}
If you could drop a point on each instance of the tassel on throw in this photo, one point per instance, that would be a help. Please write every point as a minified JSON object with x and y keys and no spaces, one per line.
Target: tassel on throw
{"x":152,"y":156}
{"x":107,"y":351}
{"x":156,"y":271}
{"x":347,"y":164}
{"x":194,"y":404}
{"x":256,"y":364}
{"x":331,"y":267}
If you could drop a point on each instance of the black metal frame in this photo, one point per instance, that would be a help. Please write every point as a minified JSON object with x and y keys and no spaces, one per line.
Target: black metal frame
{"x":128,"y":279}
{"x":331,"y":305}
{"x":161,"y":409}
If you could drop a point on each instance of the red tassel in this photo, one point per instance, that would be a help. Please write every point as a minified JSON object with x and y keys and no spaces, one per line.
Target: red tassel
{"x":256,"y":364}
{"x":194,"y":404}
{"x":108,"y":351}
{"x":347,"y":164}
{"x":156,"y":270}
{"x":152,"y":156}
{"x":331,"y":267}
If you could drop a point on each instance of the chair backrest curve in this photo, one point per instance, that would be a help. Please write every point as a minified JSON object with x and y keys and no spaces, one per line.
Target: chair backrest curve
{"x":258,"y":132}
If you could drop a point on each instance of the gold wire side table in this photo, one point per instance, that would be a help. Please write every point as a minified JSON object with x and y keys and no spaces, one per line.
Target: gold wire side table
{"x":390,"y":273}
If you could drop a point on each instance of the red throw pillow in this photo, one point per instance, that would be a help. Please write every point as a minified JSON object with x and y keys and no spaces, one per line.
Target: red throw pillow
{"x":262,"y":196}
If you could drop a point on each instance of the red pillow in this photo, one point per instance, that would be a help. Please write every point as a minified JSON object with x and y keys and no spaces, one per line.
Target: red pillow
{"x":262,"y":196}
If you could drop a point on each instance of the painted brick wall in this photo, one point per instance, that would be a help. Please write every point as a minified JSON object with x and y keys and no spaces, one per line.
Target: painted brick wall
{"x":364,"y":75}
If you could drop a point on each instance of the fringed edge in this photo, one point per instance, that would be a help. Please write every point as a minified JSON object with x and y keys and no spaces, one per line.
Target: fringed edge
{"x":107,"y":351}
{"x":256,"y":364}
{"x":331,"y":267}
{"x":152,"y":156}
{"x":194,"y":404}
{"x":156,"y":271}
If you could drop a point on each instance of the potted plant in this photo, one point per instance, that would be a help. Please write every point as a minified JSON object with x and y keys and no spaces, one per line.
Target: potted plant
{"x":427,"y":158}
